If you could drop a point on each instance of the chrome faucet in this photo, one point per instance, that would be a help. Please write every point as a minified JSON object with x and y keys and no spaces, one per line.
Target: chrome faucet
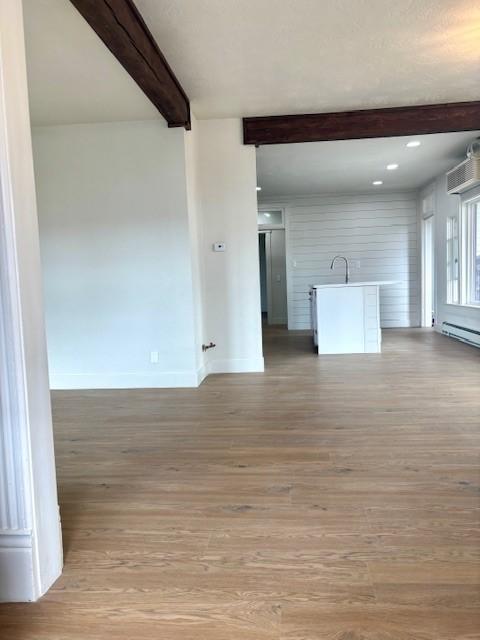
{"x":347,"y":268}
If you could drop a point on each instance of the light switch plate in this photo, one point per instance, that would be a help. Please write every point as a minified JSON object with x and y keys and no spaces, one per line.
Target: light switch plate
{"x":219,"y":246}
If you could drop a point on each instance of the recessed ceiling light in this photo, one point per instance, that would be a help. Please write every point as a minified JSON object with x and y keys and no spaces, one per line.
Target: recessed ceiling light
{"x":377,"y":182}
{"x":259,"y":188}
{"x":392,"y":167}
{"x":267,"y":215}
{"x":414,"y":143}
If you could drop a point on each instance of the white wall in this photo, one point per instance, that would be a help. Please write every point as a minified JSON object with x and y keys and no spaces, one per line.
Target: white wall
{"x":196,"y":243}
{"x":444,"y":206}
{"x":377,"y":230}
{"x":128,"y":216}
{"x":116,"y":255}
{"x":228,"y":202}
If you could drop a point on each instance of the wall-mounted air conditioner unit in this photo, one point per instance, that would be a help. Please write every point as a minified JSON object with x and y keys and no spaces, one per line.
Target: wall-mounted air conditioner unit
{"x":464,"y":176}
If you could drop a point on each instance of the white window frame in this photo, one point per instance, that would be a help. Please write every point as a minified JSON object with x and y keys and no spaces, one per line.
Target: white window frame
{"x":428,"y":270}
{"x":452,"y":260}
{"x":265,"y":209}
{"x":467,"y":257}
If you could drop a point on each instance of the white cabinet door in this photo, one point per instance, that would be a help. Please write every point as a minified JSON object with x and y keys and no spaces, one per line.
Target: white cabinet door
{"x":340,"y":319}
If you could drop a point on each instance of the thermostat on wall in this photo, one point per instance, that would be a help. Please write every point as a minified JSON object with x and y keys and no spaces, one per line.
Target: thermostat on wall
{"x":219,"y":246}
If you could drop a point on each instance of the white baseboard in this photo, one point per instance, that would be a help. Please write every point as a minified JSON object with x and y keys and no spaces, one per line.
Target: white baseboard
{"x":16,"y":568}
{"x":306,"y":326}
{"x":236,"y":365}
{"x":168,"y":380}
{"x":164,"y":380}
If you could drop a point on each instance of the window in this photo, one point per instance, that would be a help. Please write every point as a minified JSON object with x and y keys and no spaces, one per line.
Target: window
{"x":471,"y":248}
{"x":453,"y":271}
{"x":463,"y":255}
{"x":270,"y":218}
{"x":476,"y":254}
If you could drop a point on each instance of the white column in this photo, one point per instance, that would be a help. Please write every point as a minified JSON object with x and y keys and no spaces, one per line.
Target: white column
{"x":30,"y":538}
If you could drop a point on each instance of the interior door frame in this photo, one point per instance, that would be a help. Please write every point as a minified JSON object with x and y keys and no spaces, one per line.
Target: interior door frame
{"x":428,"y":269}
{"x":267,"y":230}
{"x":268,"y":261}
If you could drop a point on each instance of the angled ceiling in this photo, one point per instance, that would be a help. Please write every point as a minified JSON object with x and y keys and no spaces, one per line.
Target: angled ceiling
{"x":255,"y":57}
{"x":351,"y":166}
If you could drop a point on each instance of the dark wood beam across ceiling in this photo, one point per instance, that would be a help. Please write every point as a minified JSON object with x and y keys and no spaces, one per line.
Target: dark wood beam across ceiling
{"x":368,"y":123}
{"x":121,"y":27}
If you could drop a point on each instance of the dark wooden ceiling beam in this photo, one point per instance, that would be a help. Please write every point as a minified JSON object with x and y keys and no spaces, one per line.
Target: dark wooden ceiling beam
{"x":368,"y":123}
{"x":121,"y":27}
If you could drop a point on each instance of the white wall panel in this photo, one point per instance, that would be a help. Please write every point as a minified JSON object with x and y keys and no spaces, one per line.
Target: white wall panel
{"x":228,"y":203}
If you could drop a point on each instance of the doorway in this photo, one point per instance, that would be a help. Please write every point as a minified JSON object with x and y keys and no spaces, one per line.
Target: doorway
{"x":273,"y":286}
{"x":263,"y":275}
{"x":428,"y":298}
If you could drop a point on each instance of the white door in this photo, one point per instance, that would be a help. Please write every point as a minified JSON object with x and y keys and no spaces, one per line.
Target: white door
{"x":278,"y":270}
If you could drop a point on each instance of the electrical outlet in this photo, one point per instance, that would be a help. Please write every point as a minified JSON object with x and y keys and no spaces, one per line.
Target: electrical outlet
{"x":154,"y":357}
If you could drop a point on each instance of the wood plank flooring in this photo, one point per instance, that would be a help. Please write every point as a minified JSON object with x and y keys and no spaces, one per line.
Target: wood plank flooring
{"x":332,"y":498}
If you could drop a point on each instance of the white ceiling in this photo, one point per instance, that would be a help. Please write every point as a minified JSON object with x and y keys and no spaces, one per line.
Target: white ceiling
{"x":253,"y":57}
{"x":256,"y":57}
{"x":351,"y":166}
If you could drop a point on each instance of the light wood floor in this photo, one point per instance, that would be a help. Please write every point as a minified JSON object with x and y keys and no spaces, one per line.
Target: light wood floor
{"x":331,"y":498}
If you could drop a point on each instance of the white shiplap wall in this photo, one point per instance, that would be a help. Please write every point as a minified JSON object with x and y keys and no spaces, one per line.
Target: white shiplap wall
{"x":377,"y":230}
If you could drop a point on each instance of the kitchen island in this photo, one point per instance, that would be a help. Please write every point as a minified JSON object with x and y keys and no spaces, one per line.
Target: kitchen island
{"x":346,"y":317}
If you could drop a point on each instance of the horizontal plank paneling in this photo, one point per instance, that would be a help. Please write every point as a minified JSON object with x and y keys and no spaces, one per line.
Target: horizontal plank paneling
{"x":378,"y":230}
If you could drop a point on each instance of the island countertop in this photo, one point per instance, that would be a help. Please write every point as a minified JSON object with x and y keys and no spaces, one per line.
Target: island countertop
{"x":353,"y":284}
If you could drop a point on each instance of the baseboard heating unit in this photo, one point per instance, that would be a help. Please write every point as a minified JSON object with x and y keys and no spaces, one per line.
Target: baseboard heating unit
{"x":470,"y":336}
